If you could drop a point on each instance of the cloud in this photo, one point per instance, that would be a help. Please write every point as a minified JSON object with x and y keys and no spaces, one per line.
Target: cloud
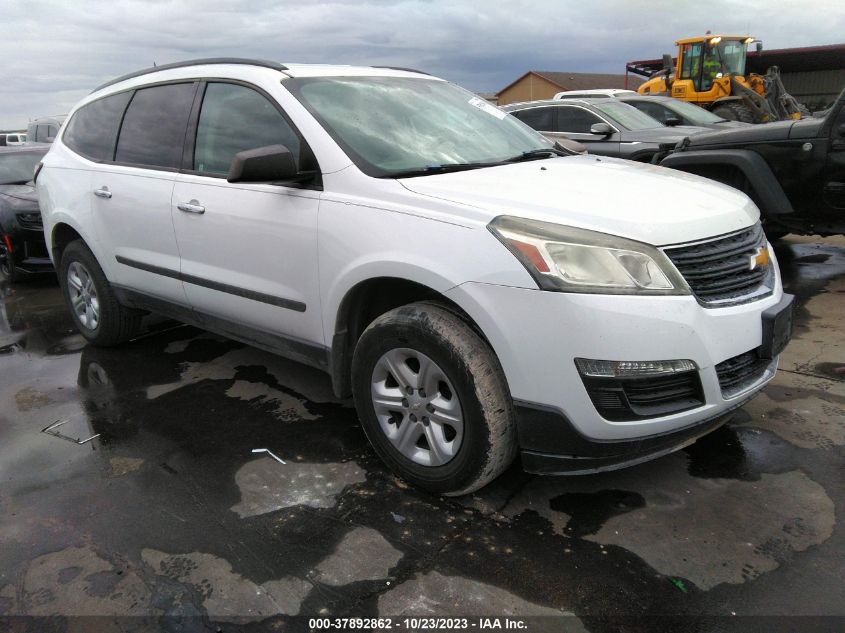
{"x":56,"y":52}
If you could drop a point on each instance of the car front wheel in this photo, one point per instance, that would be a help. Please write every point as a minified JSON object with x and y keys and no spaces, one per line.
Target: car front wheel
{"x":433,"y":399}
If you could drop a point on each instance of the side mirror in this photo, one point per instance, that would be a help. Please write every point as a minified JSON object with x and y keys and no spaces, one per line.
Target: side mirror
{"x":758,"y":45}
{"x":49,"y":139}
{"x":672,"y":121}
{"x":568,"y":145}
{"x":272,"y":163}
{"x":601,"y":129}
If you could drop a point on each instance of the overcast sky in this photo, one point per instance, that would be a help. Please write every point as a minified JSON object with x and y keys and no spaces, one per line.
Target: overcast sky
{"x":55,"y":52}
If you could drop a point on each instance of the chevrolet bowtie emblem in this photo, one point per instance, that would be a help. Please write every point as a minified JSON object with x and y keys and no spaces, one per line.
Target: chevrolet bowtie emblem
{"x":759,"y":259}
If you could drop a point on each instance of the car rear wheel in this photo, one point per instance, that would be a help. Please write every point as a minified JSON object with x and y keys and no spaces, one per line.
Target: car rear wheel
{"x":433,"y":399}
{"x":98,"y":315}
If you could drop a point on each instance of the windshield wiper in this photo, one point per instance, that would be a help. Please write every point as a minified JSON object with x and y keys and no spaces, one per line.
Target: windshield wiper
{"x":535,"y":154}
{"x":429,"y":170}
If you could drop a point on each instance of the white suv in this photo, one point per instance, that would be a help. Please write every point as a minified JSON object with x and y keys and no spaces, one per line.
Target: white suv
{"x":479,"y":291}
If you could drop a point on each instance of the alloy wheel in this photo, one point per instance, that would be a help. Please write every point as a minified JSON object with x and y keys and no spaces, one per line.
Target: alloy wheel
{"x":417,"y":408}
{"x":83,"y":296}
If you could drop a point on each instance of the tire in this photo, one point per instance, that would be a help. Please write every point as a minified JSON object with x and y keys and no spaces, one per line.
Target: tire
{"x":7,"y":266}
{"x":102,"y":320}
{"x":470,"y":438}
{"x":734,"y":111}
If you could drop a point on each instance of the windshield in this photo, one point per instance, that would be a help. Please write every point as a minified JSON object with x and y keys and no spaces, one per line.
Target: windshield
{"x":18,"y":168}
{"x":627,"y":116}
{"x":696,"y":114}
{"x":392,"y":125}
{"x":732,"y":56}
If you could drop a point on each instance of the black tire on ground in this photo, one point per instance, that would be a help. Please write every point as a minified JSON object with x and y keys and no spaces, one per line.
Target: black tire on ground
{"x":734,"y":111}
{"x":7,"y":267}
{"x":117,"y":323}
{"x":489,"y":433}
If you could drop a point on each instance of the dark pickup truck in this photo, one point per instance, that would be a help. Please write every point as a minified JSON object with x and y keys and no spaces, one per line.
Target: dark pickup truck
{"x":793,"y":170}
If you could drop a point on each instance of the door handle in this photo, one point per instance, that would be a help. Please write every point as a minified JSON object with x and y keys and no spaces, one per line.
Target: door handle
{"x":102,"y":192}
{"x":191,"y":207}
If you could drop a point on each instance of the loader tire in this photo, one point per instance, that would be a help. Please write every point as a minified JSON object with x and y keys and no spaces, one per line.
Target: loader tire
{"x":734,"y":111}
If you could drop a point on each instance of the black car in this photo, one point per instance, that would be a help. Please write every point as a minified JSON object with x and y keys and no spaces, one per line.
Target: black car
{"x":670,"y":111}
{"x":604,"y":126}
{"x":22,"y":246}
{"x":793,"y":170}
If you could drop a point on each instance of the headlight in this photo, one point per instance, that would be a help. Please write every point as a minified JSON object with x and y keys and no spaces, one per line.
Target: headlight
{"x":566,"y":259}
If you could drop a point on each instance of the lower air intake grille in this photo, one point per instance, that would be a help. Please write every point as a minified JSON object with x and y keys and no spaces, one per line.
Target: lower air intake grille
{"x":620,"y":399}
{"x":740,"y":372}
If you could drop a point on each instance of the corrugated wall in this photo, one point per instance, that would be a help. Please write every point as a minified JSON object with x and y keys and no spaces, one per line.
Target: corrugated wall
{"x":816,"y":89}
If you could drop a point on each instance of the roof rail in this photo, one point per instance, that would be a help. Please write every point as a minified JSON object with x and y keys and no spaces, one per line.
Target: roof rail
{"x":194,"y":62}
{"x":407,"y":70}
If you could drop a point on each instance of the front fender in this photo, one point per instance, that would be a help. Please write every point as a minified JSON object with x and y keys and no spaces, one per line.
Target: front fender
{"x":768,"y":193}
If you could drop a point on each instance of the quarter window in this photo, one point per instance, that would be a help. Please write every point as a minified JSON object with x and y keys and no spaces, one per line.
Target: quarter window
{"x":92,"y":131}
{"x":153,"y":130}
{"x":235,"y":118}
{"x":576,"y":120}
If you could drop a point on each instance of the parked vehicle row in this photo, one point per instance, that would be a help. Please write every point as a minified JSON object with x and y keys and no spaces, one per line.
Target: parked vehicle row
{"x":605,"y":126}
{"x":479,"y":291}
{"x":793,"y":170}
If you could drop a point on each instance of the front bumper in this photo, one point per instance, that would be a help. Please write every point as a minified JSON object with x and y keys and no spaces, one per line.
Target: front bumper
{"x":578,"y":455}
{"x":537,"y":335}
{"x":29,"y":250}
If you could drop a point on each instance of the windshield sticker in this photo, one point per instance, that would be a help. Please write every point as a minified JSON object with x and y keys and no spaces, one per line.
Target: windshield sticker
{"x":487,"y":107}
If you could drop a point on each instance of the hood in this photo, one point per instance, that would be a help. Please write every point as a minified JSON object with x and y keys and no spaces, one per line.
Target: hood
{"x":726,"y":125}
{"x":775,"y":131}
{"x":807,"y":128}
{"x":635,"y":200}
{"x":663,"y":134}
{"x":25,"y":193}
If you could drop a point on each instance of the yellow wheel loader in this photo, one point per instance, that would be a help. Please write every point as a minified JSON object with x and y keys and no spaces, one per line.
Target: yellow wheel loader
{"x":710,"y":72}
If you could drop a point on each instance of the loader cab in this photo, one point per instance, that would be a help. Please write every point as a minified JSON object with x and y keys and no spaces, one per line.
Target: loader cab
{"x":705,"y":65}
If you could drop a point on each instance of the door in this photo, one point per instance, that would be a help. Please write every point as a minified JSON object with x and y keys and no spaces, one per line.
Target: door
{"x":834,"y":177}
{"x":132,"y":193}
{"x":575,"y":122}
{"x":249,"y":251}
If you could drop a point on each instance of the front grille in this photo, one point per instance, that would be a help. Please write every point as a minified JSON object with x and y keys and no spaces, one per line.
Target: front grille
{"x":740,"y":372}
{"x":620,"y":399}
{"x":719,"y":270}
{"x":31,"y":221}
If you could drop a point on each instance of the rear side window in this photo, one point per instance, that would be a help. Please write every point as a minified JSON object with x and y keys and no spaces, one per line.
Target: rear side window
{"x":540,"y":119}
{"x":92,"y":131}
{"x":576,"y":120}
{"x":235,"y":118}
{"x":653,"y":110}
{"x":153,"y":130}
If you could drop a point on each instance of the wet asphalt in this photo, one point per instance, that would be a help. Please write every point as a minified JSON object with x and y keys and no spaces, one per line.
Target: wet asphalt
{"x":166,"y":519}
